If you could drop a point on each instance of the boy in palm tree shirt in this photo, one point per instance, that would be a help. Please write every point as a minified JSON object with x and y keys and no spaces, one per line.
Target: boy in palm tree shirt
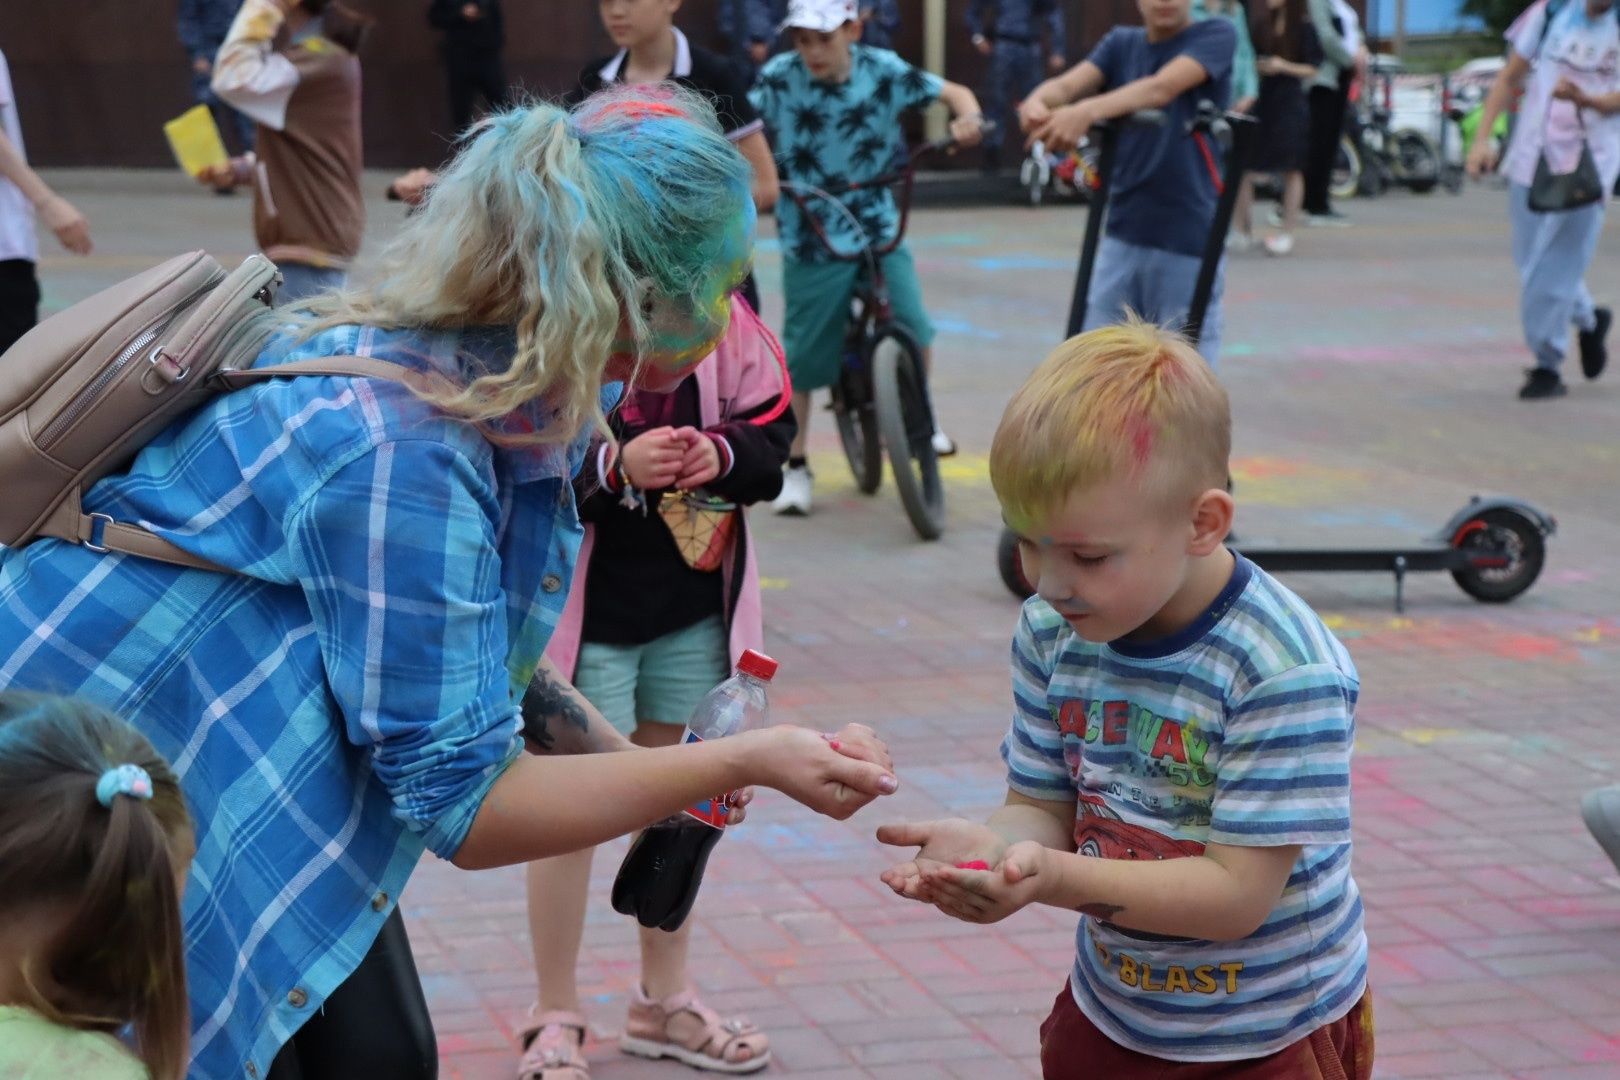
{"x":833,"y":108}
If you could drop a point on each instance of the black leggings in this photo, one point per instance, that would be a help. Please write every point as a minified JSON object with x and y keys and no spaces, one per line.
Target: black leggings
{"x":375,"y":1024}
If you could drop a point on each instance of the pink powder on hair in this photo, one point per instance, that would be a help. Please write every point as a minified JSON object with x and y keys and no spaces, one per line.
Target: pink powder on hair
{"x":1139,"y":431}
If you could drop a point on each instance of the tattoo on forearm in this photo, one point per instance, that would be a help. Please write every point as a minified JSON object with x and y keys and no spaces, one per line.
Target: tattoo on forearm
{"x":547,"y":699}
{"x":1100,"y":911}
{"x":535,"y":730}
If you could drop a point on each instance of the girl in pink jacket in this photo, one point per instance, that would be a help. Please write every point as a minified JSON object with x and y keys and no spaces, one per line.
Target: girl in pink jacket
{"x":644,"y":636}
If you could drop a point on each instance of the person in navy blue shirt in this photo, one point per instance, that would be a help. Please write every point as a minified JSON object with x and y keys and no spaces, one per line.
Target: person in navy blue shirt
{"x":1165,"y":182}
{"x":202,"y":26}
{"x":1008,"y":32}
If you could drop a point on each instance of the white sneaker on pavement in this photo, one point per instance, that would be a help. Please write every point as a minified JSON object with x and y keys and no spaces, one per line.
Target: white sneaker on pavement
{"x":1280,"y":243}
{"x":943,"y":446}
{"x":795,"y":498}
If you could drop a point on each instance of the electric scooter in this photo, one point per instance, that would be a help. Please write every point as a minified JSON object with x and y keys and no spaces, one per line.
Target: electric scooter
{"x":1494,"y":547}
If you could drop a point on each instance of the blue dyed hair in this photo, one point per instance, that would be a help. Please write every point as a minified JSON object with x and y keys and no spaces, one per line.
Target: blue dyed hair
{"x":562,"y":224}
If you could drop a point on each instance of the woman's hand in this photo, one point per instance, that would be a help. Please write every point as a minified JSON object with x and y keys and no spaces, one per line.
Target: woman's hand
{"x":944,"y":844}
{"x":1268,"y":65}
{"x":834,"y":775}
{"x":1568,"y":91}
{"x":652,"y":460}
{"x":701,"y":461}
{"x":1481,"y":156}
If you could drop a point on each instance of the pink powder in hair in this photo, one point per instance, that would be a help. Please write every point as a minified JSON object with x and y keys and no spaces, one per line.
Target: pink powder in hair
{"x":1140,"y":433}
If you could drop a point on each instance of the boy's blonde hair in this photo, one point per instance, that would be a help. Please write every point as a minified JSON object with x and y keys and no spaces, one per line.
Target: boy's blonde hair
{"x":1132,"y":400}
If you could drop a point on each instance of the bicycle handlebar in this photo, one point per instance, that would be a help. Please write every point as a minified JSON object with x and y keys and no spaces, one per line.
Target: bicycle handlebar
{"x":801,"y":194}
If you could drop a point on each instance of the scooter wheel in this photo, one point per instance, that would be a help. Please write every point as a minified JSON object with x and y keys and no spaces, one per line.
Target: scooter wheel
{"x":1511,"y":534}
{"x":1011,"y":566}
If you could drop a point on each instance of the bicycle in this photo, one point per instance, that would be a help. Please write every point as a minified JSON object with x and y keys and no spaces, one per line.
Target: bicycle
{"x":880,"y":399}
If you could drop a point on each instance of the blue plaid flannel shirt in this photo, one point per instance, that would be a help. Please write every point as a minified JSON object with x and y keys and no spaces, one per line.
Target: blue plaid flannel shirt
{"x":345,"y":704}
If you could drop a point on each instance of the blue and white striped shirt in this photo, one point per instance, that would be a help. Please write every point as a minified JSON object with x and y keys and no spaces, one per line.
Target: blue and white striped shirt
{"x":348,"y":701}
{"x":1236,"y":731}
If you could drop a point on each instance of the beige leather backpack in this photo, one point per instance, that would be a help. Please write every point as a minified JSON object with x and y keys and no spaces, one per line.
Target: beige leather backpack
{"x":88,"y":387}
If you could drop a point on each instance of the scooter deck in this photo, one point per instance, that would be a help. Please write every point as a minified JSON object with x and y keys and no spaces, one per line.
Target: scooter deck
{"x":1434,"y":556}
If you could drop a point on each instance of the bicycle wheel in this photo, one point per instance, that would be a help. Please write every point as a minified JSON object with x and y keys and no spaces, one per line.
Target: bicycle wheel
{"x":858,"y":429}
{"x":1010,"y":564}
{"x":1346,"y":180}
{"x":906,"y":420}
{"x":1416,"y":161}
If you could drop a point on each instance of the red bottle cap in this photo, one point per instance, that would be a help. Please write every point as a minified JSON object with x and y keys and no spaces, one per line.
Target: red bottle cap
{"x":758,"y":665}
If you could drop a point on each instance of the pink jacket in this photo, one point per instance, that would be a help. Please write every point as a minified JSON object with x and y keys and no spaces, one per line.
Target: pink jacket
{"x":746,"y":371}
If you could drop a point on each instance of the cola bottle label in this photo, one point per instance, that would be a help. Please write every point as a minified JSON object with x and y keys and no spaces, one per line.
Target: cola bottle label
{"x":711,"y":812}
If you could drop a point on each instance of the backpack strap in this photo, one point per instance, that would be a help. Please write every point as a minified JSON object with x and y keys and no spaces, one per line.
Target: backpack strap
{"x":101,"y":533}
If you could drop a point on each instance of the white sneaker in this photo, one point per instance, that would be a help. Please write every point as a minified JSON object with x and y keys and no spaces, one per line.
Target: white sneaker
{"x":1280,"y":243}
{"x":795,"y":498}
{"x":943,"y":446}
{"x":1240,"y":243}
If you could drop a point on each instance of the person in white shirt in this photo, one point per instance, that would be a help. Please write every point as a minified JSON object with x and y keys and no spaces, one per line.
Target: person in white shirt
{"x":1565,"y":56}
{"x":22,"y":194}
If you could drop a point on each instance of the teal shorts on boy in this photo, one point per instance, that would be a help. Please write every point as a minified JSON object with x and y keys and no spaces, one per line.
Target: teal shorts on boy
{"x":818,"y":296}
{"x":661,"y":682}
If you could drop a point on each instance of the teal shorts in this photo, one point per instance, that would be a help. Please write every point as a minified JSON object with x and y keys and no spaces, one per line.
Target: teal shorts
{"x":818,"y":296}
{"x":660,"y":682}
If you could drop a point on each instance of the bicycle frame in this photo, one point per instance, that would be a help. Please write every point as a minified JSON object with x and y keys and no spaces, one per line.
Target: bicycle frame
{"x":873,"y":294}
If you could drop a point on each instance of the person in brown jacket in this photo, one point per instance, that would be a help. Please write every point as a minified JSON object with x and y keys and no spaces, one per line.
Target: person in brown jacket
{"x":292,"y":66}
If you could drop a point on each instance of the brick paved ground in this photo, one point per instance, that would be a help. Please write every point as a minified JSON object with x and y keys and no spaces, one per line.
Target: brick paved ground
{"x":1373,"y":378}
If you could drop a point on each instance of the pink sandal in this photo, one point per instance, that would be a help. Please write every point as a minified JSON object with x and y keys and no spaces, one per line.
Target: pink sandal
{"x":683,"y":1028}
{"x":552,"y":1047}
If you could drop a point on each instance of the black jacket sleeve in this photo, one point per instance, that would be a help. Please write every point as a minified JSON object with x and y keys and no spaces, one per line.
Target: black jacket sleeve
{"x":759,"y":451}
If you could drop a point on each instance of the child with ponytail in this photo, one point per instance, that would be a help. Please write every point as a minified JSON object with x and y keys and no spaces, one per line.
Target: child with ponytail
{"x":95,"y":840}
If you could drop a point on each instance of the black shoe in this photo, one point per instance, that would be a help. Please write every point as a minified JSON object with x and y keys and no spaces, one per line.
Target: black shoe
{"x":1594,"y":353}
{"x":1542,"y":383}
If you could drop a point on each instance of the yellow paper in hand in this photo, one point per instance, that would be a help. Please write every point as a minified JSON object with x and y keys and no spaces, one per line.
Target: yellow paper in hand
{"x":195,"y":140}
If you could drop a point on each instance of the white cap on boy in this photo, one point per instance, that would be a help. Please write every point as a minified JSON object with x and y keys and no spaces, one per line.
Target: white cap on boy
{"x":823,"y":15}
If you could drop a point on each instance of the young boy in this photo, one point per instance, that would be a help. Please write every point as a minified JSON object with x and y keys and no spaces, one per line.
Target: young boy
{"x":22,"y":194}
{"x":1179,"y":756}
{"x":1164,"y":185}
{"x":653,"y":49}
{"x":833,"y":108}
{"x":291,"y":66}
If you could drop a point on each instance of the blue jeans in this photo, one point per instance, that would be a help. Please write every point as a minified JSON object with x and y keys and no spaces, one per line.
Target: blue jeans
{"x":1156,"y":285}
{"x":1552,"y":252}
{"x":300,"y":282}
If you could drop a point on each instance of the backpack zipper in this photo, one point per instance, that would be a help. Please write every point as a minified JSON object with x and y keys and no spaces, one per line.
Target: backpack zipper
{"x":86,"y":398}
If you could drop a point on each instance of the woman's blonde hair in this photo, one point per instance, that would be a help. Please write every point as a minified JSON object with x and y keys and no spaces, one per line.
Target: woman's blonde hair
{"x":1129,"y":400}
{"x":564,"y":225}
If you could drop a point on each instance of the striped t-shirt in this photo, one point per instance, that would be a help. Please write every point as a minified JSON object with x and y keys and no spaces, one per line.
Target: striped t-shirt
{"x":1235,"y":731}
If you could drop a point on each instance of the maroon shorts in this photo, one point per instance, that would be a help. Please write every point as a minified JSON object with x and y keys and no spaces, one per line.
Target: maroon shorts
{"x":1073,"y":1048}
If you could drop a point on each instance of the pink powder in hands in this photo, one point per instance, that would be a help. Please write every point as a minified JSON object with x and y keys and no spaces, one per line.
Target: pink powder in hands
{"x":976,"y":864}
